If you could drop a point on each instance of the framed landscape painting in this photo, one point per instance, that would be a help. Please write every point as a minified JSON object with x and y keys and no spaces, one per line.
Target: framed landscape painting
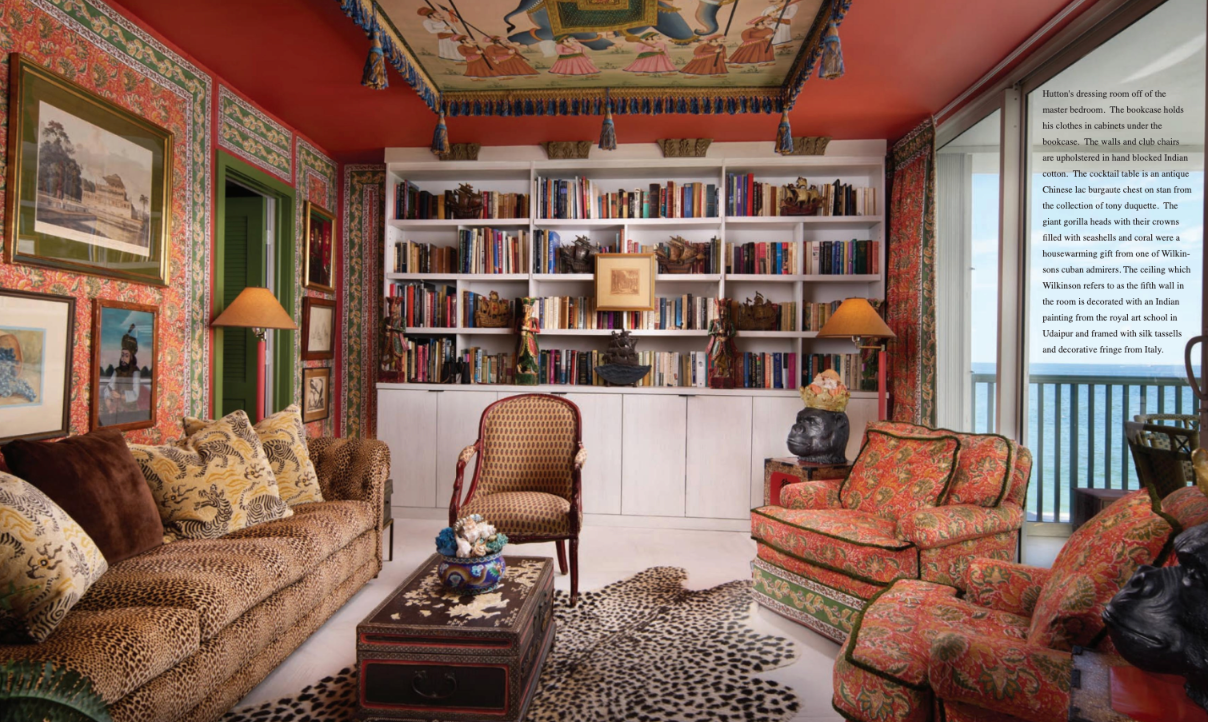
{"x":37,"y":334}
{"x":625,"y":281}
{"x":316,"y":393}
{"x":320,"y":248}
{"x":124,"y":369}
{"x":318,"y":329}
{"x":89,"y":182}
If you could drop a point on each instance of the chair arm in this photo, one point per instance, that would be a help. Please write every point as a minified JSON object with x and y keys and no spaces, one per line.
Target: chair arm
{"x":1003,"y":674}
{"x":939,"y":526}
{"x":462,"y":459}
{"x":580,"y":458}
{"x":1005,"y":586}
{"x":352,"y":469}
{"x":818,"y":494}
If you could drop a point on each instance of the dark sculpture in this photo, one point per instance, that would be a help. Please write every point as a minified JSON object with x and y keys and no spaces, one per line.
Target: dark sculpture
{"x":467,"y":202}
{"x":579,"y":257}
{"x":1159,"y":620}
{"x":820,"y":436}
{"x":620,"y":362}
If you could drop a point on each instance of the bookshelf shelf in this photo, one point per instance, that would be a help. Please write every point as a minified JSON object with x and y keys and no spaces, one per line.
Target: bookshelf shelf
{"x":423,"y":331}
{"x":765,"y":277}
{"x":812,"y":222}
{"x":769,"y":334}
{"x":688,"y":277}
{"x":842,"y":278}
{"x":560,"y":277}
{"x":472,"y":331}
{"x":459,"y":223}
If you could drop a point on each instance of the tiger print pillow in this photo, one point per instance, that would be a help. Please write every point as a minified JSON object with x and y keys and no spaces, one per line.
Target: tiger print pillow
{"x":47,"y":562}
{"x":214,"y":481}
{"x":284,"y":439}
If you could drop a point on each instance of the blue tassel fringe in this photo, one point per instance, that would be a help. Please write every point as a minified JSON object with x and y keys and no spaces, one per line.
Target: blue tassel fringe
{"x":440,"y":136}
{"x":784,"y":135}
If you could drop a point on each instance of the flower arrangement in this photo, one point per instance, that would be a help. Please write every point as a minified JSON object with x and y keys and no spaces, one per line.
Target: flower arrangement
{"x":470,"y":538}
{"x":826,"y":392}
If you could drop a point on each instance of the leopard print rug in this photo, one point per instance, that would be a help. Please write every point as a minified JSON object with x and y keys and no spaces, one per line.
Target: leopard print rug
{"x":640,"y":649}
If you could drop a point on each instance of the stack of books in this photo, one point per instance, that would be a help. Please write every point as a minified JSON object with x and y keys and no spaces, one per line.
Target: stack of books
{"x":578,"y":198}
{"x":411,"y":257}
{"x":486,"y":250}
{"x":817,"y":314}
{"x":484,"y":367}
{"x":765,"y":258}
{"x":843,"y":258}
{"x":767,"y":370}
{"x":411,"y":203}
{"x":422,"y":305}
{"x":423,"y":361}
{"x":858,"y":371}
{"x":746,"y":196}
{"x":687,"y":312}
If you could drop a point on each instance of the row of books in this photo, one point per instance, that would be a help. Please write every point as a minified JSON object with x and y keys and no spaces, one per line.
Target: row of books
{"x":578,"y":198}
{"x":486,"y":250}
{"x":746,"y":196}
{"x":858,"y":371}
{"x":411,"y":203}
{"x":412,"y":257}
{"x":546,"y":245}
{"x":420,"y":305}
{"x":422,"y":361}
{"x":686,"y":312}
{"x":766,"y":370}
{"x":842,"y":258}
{"x":765,"y":258}
{"x":815,"y":315}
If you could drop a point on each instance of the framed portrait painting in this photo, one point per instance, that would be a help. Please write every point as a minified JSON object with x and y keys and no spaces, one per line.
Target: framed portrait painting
{"x":316,"y":393}
{"x":318,"y":329}
{"x":320,"y":255}
{"x":625,"y":281}
{"x":124,"y":369}
{"x":89,"y":182}
{"x":37,"y":334}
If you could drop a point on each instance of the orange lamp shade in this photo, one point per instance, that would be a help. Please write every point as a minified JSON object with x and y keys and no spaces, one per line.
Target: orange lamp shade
{"x":855,"y":317}
{"x":255,"y":307}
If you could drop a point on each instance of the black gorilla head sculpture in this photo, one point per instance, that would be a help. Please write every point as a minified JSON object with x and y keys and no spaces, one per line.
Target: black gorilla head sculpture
{"x":820,"y":436}
{"x":1159,"y":621}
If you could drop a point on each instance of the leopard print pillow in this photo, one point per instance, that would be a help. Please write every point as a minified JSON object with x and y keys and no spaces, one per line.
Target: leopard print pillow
{"x":47,"y":562}
{"x":215,"y":481}
{"x":284,"y":441}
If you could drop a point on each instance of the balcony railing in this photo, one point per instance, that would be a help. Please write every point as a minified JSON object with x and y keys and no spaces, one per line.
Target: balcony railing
{"x":1076,"y":431}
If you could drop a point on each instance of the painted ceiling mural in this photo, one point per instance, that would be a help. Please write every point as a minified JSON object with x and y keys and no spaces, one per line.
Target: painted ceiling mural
{"x":530,"y":57}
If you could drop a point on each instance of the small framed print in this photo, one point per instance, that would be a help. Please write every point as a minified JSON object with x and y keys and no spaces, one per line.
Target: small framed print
{"x":318,"y":329}
{"x":124,"y":369}
{"x":316,"y":393}
{"x":625,"y":281}
{"x":320,"y":256}
{"x":37,"y":334}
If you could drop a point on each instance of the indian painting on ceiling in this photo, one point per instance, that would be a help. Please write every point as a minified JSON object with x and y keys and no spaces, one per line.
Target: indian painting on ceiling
{"x":566,"y":57}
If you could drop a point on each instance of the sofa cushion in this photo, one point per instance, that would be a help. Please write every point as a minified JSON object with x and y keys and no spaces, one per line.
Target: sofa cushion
{"x":94,"y":479}
{"x":983,"y":466}
{"x":857,"y":544}
{"x":47,"y":562}
{"x":1095,"y":563}
{"x":213,"y":482}
{"x":896,"y":473}
{"x":315,"y":531}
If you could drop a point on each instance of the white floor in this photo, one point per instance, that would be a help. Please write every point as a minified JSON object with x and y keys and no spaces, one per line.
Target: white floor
{"x":605,"y":555}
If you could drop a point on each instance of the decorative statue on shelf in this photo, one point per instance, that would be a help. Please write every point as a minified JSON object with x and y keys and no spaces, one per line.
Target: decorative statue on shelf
{"x":394,"y":346}
{"x":467,"y":203}
{"x":578,"y":257}
{"x":759,"y":315}
{"x":678,"y":257}
{"x":528,"y":367}
{"x":1159,"y":621}
{"x":821,"y":432}
{"x":722,"y":353}
{"x":620,"y":362}
{"x":800,"y":199}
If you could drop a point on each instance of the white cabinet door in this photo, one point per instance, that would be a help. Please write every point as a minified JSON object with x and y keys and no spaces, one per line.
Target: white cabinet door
{"x":652,"y":482}
{"x":601,"y":414}
{"x":457,"y":417}
{"x":406,"y":422}
{"x":772,"y":419}
{"x":719,"y":457}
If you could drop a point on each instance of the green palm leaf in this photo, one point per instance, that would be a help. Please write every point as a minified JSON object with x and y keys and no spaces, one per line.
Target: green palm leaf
{"x":31,"y":692}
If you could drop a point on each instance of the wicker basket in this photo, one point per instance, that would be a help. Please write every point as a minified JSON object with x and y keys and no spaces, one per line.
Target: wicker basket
{"x":493,"y":312}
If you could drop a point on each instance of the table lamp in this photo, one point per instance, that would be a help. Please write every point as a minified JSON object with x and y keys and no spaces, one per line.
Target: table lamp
{"x":857,"y":319}
{"x":258,"y":309}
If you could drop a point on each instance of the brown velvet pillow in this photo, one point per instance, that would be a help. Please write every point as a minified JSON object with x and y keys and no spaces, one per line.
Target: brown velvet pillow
{"x":95,"y":480}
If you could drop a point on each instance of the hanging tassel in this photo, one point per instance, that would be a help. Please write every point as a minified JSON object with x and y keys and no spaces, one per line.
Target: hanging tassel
{"x":375,"y":66}
{"x":831,"y":66}
{"x":440,"y":136}
{"x":608,"y":132}
{"x":784,"y":135}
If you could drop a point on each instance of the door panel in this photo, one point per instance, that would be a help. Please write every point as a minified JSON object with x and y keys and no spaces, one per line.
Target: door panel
{"x":601,"y":415}
{"x":457,"y":417}
{"x":243,"y":266}
{"x":407,"y":423}
{"x":654,"y":440}
{"x":771,"y":420}
{"x":719,"y":457}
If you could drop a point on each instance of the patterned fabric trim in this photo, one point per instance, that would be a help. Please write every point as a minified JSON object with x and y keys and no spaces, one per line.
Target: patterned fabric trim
{"x":804,"y":601}
{"x":253,"y":136}
{"x":834,"y":580}
{"x":363,"y":234}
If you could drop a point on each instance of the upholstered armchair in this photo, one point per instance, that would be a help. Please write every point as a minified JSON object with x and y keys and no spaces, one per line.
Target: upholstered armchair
{"x":919,"y":503}
{"x":527,"y":481}
{"x":1003,"y":651}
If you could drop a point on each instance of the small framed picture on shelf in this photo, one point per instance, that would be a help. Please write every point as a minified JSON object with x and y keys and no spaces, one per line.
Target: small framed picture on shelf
{"x":318,"y":329}
{"x":320,"y":256}
{"x":316,"y":393}
{"x":37,"y":334}
{"x":124,"y":372}
{"x":625,"y":281}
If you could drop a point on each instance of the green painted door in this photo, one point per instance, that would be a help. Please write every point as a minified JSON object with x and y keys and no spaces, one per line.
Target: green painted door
{"x":242,"y":266}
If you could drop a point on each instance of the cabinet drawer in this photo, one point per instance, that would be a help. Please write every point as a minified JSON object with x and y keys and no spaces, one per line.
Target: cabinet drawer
{"x":425,"y":686}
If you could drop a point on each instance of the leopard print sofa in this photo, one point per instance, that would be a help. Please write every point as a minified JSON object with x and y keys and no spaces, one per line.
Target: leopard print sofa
{"x":184,"y":631}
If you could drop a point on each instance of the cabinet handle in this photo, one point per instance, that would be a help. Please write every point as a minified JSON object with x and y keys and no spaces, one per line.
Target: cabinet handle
{"x":436,"y":391}
{"x":432,"y":693}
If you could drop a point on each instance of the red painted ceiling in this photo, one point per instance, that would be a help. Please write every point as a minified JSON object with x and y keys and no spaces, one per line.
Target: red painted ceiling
{"x":301,"y":60}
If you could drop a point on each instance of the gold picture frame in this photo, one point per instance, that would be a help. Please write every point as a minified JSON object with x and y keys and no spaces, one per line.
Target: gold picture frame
{"x":316,"y":393}
{"x":89,"y":182}
{"x":319,"y":249}
{"x":625,"y":281}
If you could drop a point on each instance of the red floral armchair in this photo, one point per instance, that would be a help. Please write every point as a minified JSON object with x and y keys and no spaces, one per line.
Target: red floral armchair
{"x":919,"y":652}
{"x":919,"y":503}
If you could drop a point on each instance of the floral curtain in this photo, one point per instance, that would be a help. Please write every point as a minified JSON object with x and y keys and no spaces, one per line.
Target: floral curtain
{"x":910,"y":279}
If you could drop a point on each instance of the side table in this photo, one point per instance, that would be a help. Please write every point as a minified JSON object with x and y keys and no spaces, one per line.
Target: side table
{"x":789,"y":470}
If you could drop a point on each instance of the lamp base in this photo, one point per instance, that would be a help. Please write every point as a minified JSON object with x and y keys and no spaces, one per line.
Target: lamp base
{"x":259,"y":379}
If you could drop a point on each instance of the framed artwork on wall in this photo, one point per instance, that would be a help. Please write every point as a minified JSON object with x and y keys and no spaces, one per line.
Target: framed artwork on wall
{"x":319,"y":227}
{"x":316,"y":393}
{"x":625,"y":281}
{"x":37,"y":334}
{"x":89,"y":183}
{"x":318,"y":329}
{"x":124,"y":369}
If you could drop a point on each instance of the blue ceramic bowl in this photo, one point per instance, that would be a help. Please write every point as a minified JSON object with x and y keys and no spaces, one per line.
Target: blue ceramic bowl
{"x":476,"y":575}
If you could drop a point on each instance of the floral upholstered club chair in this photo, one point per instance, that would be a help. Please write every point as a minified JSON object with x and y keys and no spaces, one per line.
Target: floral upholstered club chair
{"x":1002,"y":652}
{"x":527,"y":481}
{"x":919,"y":503}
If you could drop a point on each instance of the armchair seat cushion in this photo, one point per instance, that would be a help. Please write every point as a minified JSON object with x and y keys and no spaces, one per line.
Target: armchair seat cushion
{"x":857,"y":544}
{"x":522,"y":514}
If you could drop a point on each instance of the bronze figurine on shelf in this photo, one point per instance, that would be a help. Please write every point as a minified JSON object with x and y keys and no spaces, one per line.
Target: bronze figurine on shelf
{"x":757,"y":316}
{"x":620,"y":362}
{"x":467,"y":202}
{"x":394,"y":346}
{"x":722,"y":352}
{"x":679,"y":257}
{"x":493,"y":312}
{"x":579,"y":257}
{"x":800,"y":199}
